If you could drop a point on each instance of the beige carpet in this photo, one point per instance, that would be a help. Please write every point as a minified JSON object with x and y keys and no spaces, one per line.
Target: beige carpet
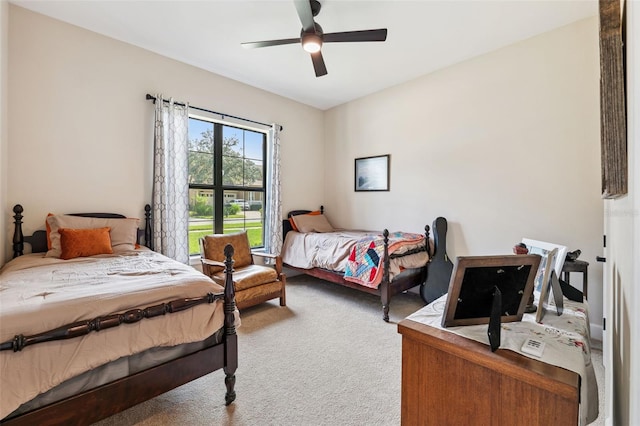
{"x":326,"y":358}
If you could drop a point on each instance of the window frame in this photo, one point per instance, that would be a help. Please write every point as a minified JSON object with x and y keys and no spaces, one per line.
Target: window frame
{"x":218,"y":187}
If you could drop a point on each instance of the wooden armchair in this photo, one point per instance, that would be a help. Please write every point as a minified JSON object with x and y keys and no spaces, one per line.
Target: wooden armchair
{"x":254,"y":284}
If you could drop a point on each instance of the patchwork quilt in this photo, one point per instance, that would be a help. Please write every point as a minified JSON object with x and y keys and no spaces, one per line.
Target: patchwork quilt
{"x":365,"y":262}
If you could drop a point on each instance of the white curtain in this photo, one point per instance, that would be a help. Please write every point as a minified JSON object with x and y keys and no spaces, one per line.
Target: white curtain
{"x":170,"y":184}
{"x":273,"y":220}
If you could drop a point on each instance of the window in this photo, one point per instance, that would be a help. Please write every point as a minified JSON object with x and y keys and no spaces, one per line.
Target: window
{"x":226,"y":181}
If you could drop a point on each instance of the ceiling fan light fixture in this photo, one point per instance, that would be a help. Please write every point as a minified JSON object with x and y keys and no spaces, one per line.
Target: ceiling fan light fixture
{"x":311,"y":42}
{"x":312,"y":37}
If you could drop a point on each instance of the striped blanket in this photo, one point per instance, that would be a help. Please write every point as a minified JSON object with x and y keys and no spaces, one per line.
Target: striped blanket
{"x":365,"y":262}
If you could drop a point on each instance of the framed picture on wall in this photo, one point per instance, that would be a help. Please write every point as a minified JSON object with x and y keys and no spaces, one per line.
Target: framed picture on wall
{"x":372,"y":173}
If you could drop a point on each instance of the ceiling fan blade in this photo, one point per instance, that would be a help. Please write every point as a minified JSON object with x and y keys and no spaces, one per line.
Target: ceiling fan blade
{"x":306,"y":16}
{"x":318,"y":64}
{"x":352,"y":36}
{"x":267,"y":43}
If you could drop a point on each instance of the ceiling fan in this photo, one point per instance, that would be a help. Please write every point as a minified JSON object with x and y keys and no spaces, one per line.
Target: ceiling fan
{"x":312,"y":37}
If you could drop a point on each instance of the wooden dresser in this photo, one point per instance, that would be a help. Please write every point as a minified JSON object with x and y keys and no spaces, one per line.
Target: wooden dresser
{"x":448,"y":379}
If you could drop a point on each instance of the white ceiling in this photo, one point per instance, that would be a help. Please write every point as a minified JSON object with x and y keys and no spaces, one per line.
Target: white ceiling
{"x":423,"y":36}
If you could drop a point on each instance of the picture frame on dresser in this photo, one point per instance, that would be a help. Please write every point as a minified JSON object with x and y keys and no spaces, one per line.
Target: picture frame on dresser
{"x":473,"y":283}
{"x":543,"y":276}
{"x":542,"y":282}
{"x":372,"y":173}
{"x":543,"y":248}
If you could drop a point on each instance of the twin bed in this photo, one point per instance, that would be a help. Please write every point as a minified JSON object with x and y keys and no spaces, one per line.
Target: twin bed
{"x":98,"y":323}
{"x":383,"y":264}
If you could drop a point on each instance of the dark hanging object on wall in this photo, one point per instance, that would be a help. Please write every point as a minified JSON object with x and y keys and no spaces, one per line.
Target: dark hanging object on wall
{"x":613,"y":117}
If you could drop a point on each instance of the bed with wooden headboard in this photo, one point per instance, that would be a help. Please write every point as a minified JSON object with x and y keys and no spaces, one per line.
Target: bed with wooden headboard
{"x":326,"y":253}
{"x":84,"y":335}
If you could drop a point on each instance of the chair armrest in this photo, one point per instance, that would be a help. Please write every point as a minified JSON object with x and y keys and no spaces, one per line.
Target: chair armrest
{"x":278,"y":258}
{"x":261,"y":254}
{"x":207,"y":264}
{"x":210,"y":262}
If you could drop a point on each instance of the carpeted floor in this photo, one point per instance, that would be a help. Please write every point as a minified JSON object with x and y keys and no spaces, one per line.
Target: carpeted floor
{"x":326,"y":358}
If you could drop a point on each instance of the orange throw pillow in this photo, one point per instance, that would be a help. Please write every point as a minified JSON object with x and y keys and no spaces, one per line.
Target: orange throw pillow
{"x":84,"y":242}
{"x":48,"y":232}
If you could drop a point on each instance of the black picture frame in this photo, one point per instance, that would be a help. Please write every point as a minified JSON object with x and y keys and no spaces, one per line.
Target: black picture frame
{"x":372,"y":173}
{"x":473,"y":282}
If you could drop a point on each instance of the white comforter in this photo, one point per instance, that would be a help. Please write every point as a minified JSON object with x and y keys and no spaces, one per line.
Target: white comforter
{"x":38,"y":294}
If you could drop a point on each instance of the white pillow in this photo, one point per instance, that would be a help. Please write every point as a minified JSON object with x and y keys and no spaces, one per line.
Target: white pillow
{"x":123,"y":233}
{"x":312,"y":223}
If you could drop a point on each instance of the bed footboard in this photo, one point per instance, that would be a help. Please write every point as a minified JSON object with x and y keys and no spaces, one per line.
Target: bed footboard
{"x":80,"y":328}
{"x":386,"y":287}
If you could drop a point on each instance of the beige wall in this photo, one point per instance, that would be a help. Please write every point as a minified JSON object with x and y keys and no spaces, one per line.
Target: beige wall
{"x":504,"y":146}
{"x":4,"y":32}
{"x":622,"y":271}
{"x":81,"y":133}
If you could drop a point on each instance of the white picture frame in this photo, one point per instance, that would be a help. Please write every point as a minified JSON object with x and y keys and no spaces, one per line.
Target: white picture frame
{"x":543,"y":248}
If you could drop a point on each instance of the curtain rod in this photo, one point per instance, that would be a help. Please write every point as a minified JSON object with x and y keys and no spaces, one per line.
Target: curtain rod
{"x":151,"y":97}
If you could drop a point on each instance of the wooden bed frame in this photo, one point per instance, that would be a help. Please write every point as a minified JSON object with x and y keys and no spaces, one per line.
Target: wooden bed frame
{"x":111,"y":398}
{"x":387,"y":288}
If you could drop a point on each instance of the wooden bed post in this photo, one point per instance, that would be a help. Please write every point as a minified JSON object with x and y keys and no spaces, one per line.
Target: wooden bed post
{"x":230,"y":336}
{"x":18,"y":238}
{"x":385,"y":295}
{"x":430,"y":252}
{"x":148,"y":236}
{"x":427,"y":228}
